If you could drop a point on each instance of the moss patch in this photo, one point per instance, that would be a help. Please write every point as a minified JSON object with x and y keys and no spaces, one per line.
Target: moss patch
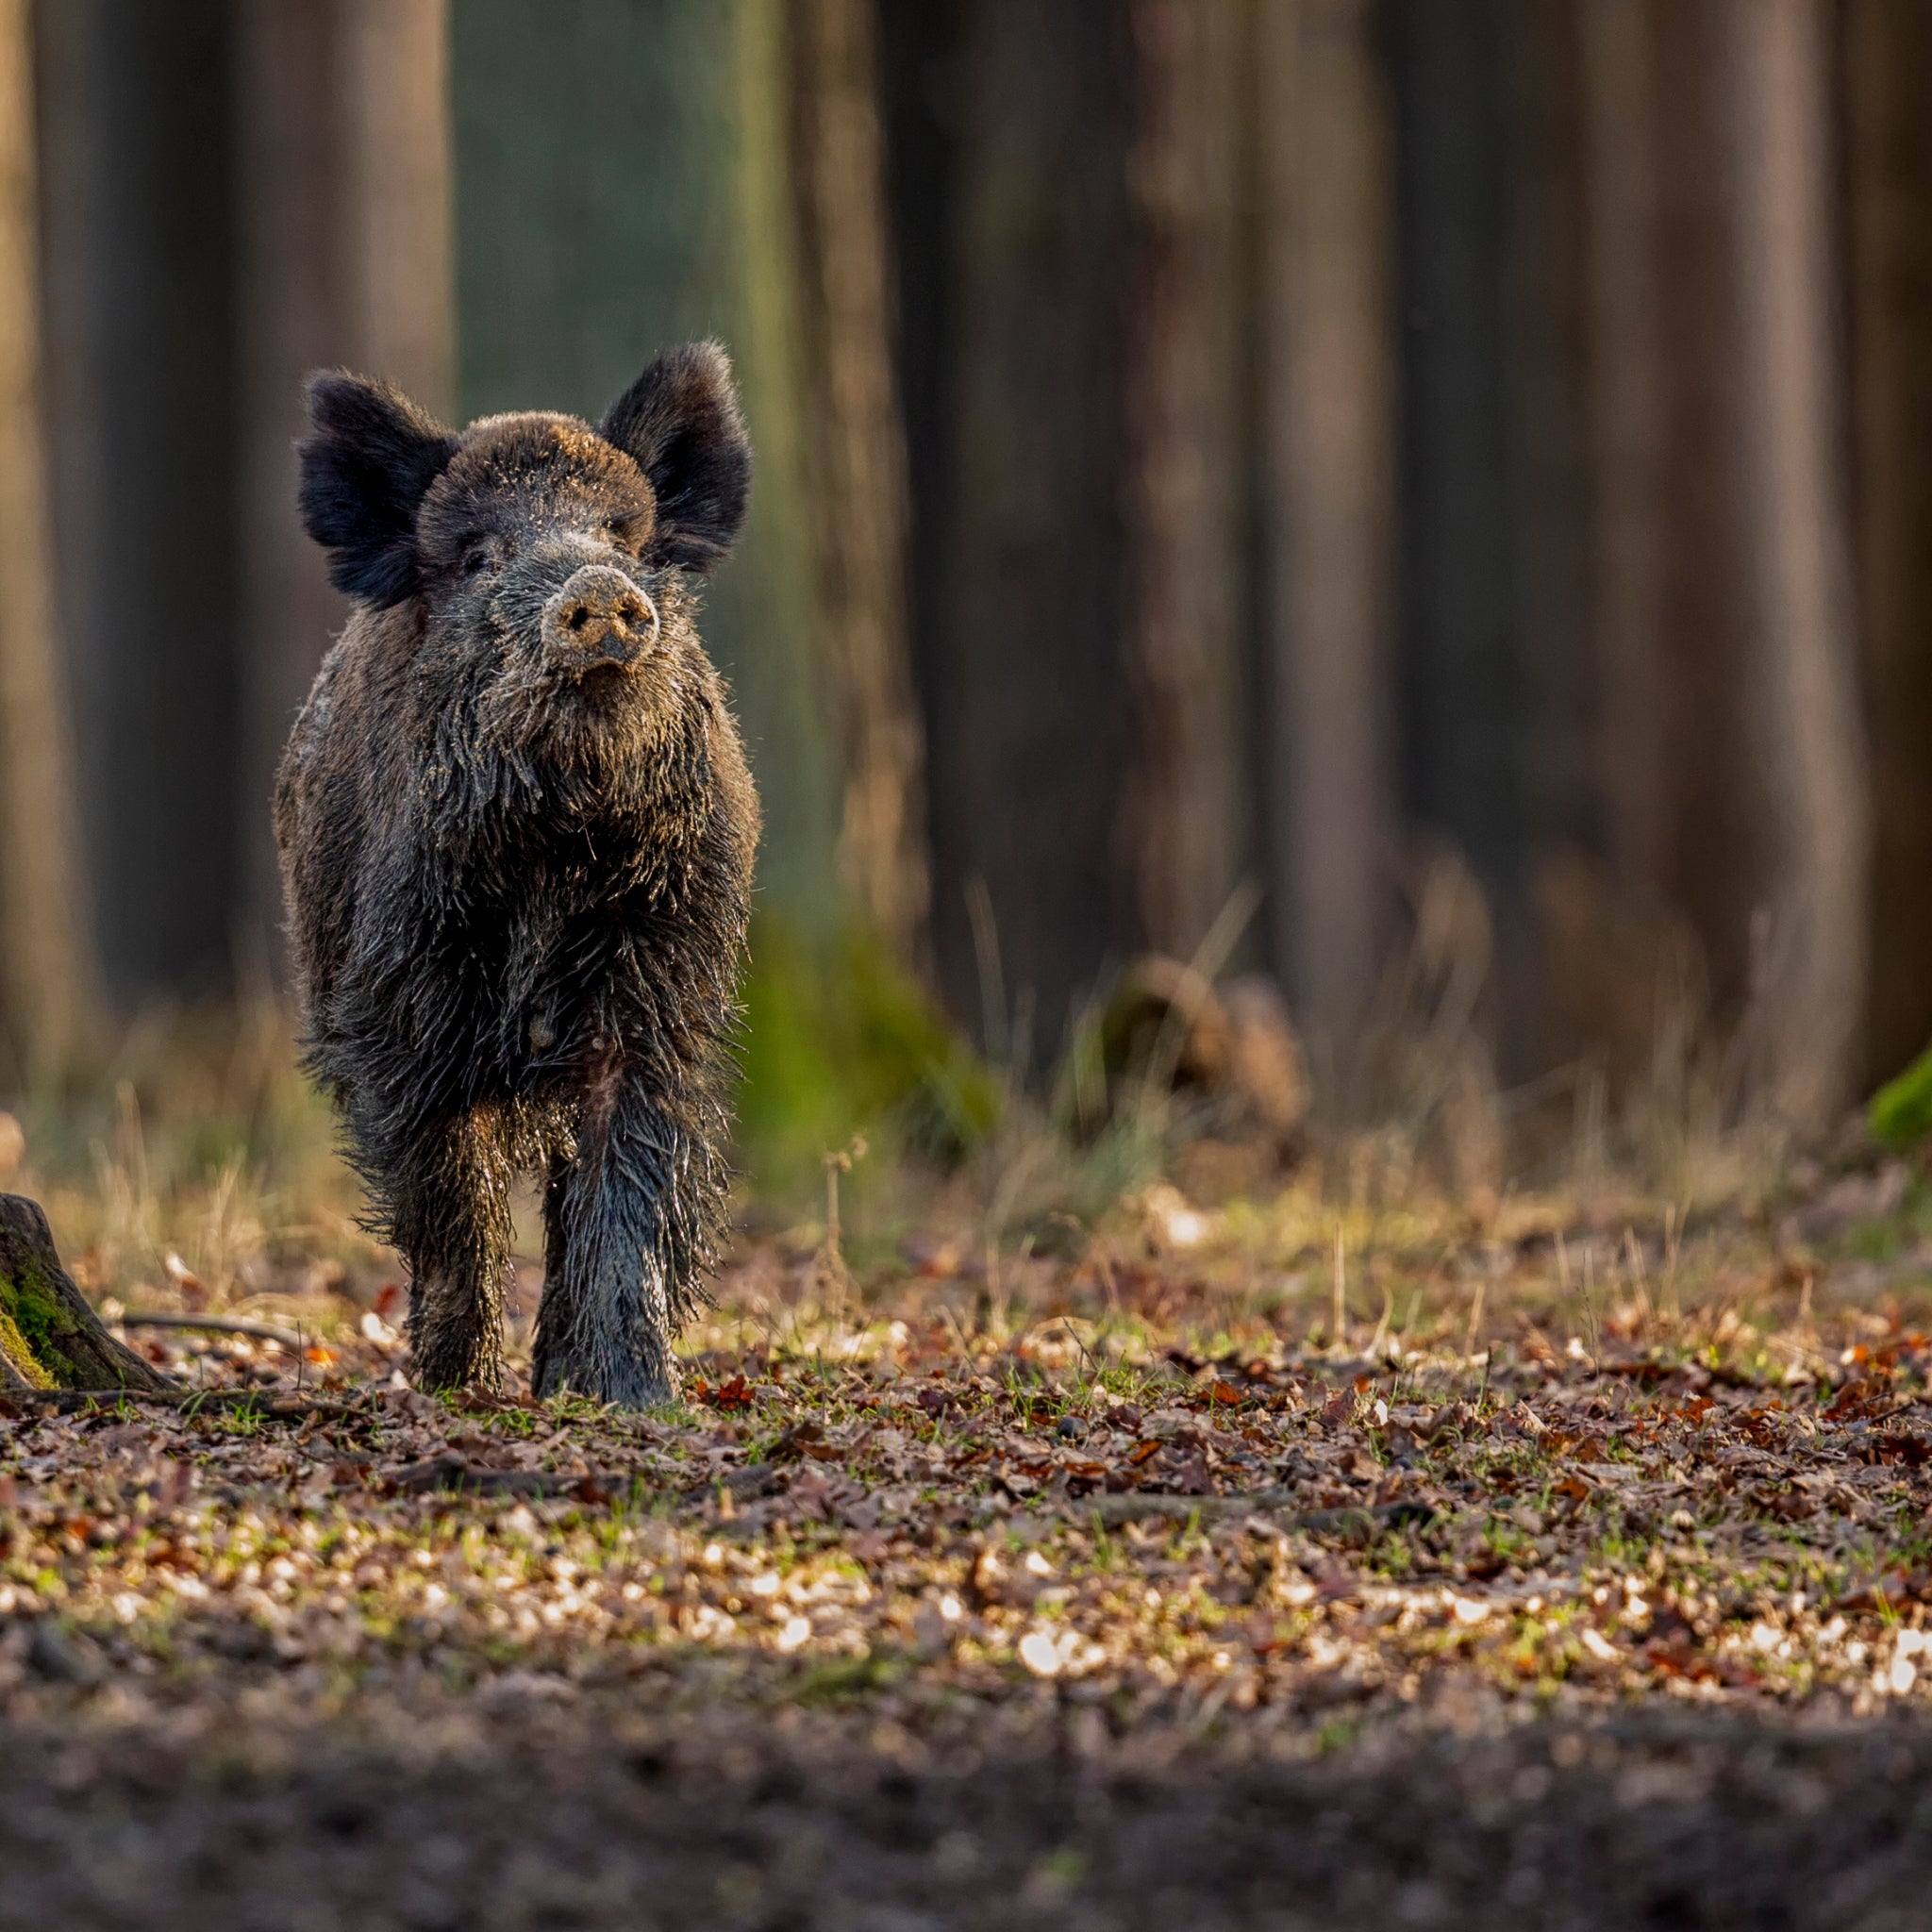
{"x":39,"y":1318}
{"x":1902,"y":1110}
{"x":13,"y":1345}
{"x":33,"y":1326}
{"x":840,"y":1041}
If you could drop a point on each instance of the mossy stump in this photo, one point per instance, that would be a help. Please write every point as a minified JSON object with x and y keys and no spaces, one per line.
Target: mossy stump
{"x":49,"y":1337}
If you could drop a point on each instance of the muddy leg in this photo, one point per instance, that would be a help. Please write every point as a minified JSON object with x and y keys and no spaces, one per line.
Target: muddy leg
{"x":451,"y":1222}
{"x":621,"y":1248}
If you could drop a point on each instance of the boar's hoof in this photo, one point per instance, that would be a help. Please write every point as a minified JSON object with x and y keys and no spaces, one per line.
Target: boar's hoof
{"x":619,"y":1385}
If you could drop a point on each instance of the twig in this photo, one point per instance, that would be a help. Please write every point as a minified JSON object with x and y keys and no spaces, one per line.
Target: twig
{"x":833,"y":1272}
{"x":1640,"y":1276}
{"x":1338,"y":1292}
{"x":959,"y":1336}
{"x":1589,"y":1308}
{"x":1381,"y":1335}
{"x":986,"y":958}
{"x":1674,"y":1228}
{"x":1066,"y":1322}
{"x":277,"y":1406}
{"x":452,"y":1472}
{"x":1138,"y":1508}
{"x":215,"y":1325}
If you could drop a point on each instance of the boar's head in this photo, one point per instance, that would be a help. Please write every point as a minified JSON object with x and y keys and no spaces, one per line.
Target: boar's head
{"x":540,"y":564}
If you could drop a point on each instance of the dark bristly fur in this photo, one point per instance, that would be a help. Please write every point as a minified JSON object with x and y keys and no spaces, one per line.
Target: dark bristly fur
{"x":516,"y":831}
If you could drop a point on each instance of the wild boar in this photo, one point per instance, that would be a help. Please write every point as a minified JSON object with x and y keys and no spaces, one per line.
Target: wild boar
{"x":516,"y":829}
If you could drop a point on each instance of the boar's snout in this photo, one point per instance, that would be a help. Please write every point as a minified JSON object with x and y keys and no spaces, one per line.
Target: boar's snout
{"x":598,"y":616}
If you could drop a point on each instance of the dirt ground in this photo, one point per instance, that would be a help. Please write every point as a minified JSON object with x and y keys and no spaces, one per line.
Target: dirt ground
{"x":605,"y":1816}
{"x":1550,"y":1567}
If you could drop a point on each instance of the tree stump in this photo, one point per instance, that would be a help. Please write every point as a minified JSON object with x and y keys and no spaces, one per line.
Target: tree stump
{"x":49,"y":1337}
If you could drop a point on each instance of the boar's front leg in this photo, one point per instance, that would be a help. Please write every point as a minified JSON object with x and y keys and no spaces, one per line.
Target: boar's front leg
{"x":450,"y":1217}
{"x":623,"y":1217}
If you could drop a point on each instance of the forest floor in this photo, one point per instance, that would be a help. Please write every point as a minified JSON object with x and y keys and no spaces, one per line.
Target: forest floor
{"x":1267,"y":1565}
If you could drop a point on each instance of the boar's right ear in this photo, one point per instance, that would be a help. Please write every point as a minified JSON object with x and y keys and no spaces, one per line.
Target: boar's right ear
{"x":679,"y":422}
{"x":364,"y":469}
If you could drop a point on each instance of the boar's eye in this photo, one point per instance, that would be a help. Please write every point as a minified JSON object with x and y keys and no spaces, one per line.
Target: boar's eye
{"x":479,"y":555}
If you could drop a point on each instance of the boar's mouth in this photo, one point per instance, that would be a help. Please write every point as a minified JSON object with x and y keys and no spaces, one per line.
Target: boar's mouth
{"x":597,"y":627}
{"x":601,"y":682}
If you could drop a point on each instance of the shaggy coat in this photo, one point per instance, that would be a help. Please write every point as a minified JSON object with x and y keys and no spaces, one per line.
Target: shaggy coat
{"x":516,"y":831}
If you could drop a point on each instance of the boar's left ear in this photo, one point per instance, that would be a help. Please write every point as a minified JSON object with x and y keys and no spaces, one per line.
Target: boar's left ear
{"x":364,"y":469}
{"x":679,"y":423}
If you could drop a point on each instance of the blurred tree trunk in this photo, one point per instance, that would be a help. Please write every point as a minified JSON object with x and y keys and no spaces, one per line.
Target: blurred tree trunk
{"x":1022,"y":683}
{"x":1808,"y":734}
{"x":1491,"y":517}
{"x":394,"y":81}
{"x":1618,"y":926}
{"x":1186,"y":826}
{"x":1560,"y":1020}
{"x":347,"y":261}
{"x":1550,"y":509}
{"x":140,"y":358}
{"x":1626,"y":354}
{"x":1730,"y":760}
{"x":1458,"y":298}
{"x":294,"y":318}
{"x":857,"y":467}
{"x":1329,"y":422}
{"x":45,"y":976}
{"x":1889,"y":55}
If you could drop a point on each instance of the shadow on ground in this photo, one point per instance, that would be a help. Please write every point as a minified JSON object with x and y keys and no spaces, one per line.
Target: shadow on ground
{"x":544,"y":1816}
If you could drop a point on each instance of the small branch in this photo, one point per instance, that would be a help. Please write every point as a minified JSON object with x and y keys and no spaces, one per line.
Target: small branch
{"x":216,"y":1325}
{"x":270,"y":1404}
{"x":742,"y":1485}
{"x":1138,"y":1508}
{"x":453,"y":1474}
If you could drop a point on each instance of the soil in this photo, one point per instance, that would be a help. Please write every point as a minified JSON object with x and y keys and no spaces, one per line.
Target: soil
{"x":596,"y":1817}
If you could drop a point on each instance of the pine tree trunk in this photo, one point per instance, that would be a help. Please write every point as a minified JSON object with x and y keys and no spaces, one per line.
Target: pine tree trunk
{"x":1888,"y":53}
{"x":1187,"y":825}
{"x":1459,"y":639}
{"x":1731,"y":762}
{"x":141,"y":367}
{"x":856,"y":469}
{"x":1329,"y":414}
{"x":45,"y":979}
{"x":395,"y":83}
{"x":1631,"y":519}
{"x":1024,"y":685}
{"x":1806,"y":729}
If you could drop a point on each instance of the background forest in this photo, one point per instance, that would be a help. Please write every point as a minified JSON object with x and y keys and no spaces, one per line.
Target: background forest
{"x":1336,"y":633}
{"x":1429,"y":501}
